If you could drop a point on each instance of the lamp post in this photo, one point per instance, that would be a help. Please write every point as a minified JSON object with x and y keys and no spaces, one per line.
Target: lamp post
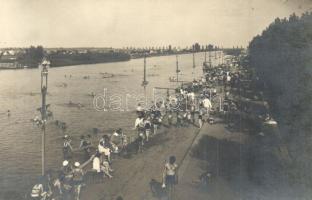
{"x":144,"y":82}
{"x":44,"y":87}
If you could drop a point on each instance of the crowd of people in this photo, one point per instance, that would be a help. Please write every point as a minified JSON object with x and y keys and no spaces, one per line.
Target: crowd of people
{"x":191,"y":105}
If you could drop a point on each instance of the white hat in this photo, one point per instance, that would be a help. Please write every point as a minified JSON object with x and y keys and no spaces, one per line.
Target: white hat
{"x":66,"y":136}
{"x":77,"y":164}
{"x":65,"y":163}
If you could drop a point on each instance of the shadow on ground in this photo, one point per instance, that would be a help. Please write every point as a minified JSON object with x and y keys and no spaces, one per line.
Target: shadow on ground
{"x":223,"y":156}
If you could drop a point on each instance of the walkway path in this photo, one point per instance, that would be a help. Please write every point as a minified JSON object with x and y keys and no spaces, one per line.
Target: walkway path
{"x":132,"y":176}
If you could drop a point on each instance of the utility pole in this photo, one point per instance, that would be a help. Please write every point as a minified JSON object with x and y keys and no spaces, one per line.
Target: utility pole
{"x":222,"y":56}
{"x":209,"y":58}
{"x":44,"y":88}
{"x":215,"y":53}
{"x":145,"y":82}
{"x":177,"y":69}
{"x":193,"y":64}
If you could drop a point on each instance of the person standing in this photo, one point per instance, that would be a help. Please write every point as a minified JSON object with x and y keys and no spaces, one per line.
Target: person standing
{"x":207,"y":105}
{"x":189,"y":117}
{"x":169,"y":173}
{"x":77,"y":179}
{"x":179,"y":119}
{"x":147,"y":127}
{"x":170,"y":118}
{"x":140,"y":110}
{"x":67,"y":148}
{"x":200,"y":119}
{"x":124,"y":141}
{"x":84,"y":146}
{"x":139,"y":123}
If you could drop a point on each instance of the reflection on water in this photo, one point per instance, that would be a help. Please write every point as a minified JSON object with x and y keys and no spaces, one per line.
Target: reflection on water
{"x":19,"y":92}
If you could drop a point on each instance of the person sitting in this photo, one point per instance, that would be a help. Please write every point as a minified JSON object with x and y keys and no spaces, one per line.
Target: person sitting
{"x":105,"y":167}
{"x":59,"y":183}
{"x":38,"y":192}
{"x":105,"y":147}
{"x":96,"y":164}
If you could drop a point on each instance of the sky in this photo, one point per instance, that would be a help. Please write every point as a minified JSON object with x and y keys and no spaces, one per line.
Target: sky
{"x":139,"y":23}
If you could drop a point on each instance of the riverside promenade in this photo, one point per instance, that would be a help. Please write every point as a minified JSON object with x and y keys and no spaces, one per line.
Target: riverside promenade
{"x":133,"y":176}
{"x":214,"y":149}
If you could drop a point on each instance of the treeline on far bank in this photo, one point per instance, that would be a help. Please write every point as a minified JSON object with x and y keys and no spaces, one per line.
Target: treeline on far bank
{"x":282,"y":60}
{"x":34,"y":55}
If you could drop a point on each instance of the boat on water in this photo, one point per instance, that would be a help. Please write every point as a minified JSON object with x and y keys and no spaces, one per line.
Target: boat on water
{"x":107,"y":75}
{"x":172,"y":79}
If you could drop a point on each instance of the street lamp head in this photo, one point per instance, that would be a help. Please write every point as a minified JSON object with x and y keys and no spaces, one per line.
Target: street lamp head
{"x":144,"y":83}
{"x":44,"y":65}
{"x":45,"y":62}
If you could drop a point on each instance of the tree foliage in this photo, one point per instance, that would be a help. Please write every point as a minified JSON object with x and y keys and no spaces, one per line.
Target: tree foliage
{"x":282,"y":58}
{"x":32,"y":56}
{"x":60,"y":59}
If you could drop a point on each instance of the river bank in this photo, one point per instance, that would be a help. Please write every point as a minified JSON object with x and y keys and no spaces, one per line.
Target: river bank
{"x":65,"y":60}
{"x":58,"y":60}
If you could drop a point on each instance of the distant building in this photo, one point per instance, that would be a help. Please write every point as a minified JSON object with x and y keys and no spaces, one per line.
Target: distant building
{"x":8,"y":56}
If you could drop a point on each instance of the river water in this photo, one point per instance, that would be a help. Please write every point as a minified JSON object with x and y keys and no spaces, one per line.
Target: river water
{"x":20,"y":139}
